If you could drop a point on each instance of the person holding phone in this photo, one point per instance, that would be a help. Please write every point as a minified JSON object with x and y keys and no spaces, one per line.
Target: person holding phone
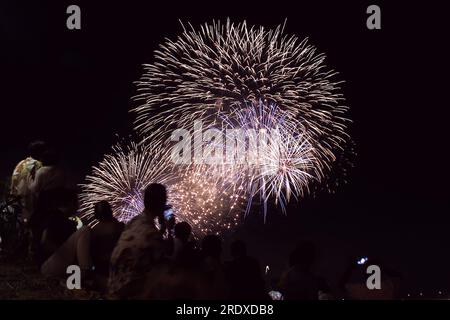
{"x":141,"y":246}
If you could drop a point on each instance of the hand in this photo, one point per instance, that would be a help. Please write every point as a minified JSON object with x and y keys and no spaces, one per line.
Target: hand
{"x":162,"y":225}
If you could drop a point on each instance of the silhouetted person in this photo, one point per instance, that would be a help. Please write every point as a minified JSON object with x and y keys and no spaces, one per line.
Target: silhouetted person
{"x":27,"y":166}
{"x":299,"y":282}
{"x":182,"y":232}
{"x":24,"y":173}
{"x":184,"y":251}
{"x":212,"y":267}
{"x":104,"y":237}
{"x":212,"y":247}
{"x":49,"y":177}
{"x":140,"y":247}
{"x":48,"y":191}
{"x":244,"y":275}
{"x":62,"y":244}
{"x":181,"y":276}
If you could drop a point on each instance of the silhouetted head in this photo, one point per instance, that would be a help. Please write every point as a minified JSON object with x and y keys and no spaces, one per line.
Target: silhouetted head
{"x":103,"y":211}
{"x":212,"y":246}
{"x":50,"y":158}
{"x":36,"y":149}
{"x":155,"y":198}
{"x":183,"y":231}
{"x":303,"y":255}
{"x":238,"y":249}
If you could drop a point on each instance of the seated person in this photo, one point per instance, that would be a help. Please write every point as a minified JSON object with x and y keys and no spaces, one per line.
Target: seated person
{"x":184,"y":251}
{"x":212,"y":268}
{"x":299,"y":282}
{"x":141,"y":247}
{"x":23,"y":172}
{"x":244,"y":275}
{"x":63,"y":245}
{"x":104,"y":237}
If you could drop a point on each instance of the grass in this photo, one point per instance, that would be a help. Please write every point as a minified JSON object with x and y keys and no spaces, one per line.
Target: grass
{"x":21,"y":280}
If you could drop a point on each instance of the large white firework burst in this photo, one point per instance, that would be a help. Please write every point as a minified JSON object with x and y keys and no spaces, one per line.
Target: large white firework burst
{"x":218,"y":72}
{"x":229,"y":76}
{"x":219,"y":67}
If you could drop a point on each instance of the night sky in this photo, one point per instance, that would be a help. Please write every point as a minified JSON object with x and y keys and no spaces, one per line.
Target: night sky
{"x":73,"y":89}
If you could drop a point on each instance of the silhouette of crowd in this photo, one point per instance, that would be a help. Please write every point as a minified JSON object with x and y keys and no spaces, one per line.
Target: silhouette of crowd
{"x":150,"y":257}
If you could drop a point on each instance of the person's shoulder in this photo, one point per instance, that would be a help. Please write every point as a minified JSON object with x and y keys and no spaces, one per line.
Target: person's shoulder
{"x":118,"y":226}
{"x":33,"y":162}
{"x":53,"y":170}
{"x":135,"y":220}
{"x":19,"y":166}
{"x":132,"y":226}
{"x":43,"y":170}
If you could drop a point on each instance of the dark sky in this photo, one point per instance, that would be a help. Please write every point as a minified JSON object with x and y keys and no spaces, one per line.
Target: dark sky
{"x":73,"y":88}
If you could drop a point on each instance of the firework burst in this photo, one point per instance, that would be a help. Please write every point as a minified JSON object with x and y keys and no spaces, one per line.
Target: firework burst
{"x":120,"y":178}
{"x":239,"y":76}
{"x":208,"y":204}
{"x":220,"y":67}
{"x":280,"y":161}
{"x":229,"y":76}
